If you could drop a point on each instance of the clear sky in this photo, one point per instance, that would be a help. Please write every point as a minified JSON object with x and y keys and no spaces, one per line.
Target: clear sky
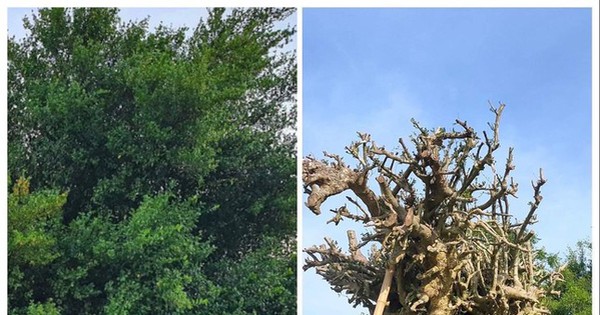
{"x":371,"y":70}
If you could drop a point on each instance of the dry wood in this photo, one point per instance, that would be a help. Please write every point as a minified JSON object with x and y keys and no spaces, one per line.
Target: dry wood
{"x":382,"y":300}
{"x":438,"y":228}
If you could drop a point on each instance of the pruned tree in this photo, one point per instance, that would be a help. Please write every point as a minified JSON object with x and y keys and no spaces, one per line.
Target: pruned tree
{"x":442,"y":238}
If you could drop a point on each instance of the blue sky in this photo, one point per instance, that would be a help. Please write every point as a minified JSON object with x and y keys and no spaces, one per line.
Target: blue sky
{"x":371,"y":70}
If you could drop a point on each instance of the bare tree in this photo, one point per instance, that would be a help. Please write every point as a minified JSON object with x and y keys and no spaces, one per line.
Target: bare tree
{"x":442,"y":238}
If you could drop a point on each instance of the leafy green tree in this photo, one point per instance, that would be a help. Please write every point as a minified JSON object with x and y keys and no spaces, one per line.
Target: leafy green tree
{"x":254,"y":190}
{"x":149,"y":263}
{"x":32,"y":245}
{"x":259,"y":282}
{"x":121,"y":112}
{"x":576,"y":288}
{"x":42,"y":309}
{"x":30,"y":217}
{"x":177,"y":152}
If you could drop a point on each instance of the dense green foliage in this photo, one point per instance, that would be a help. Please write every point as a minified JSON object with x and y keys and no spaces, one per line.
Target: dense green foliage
{"x":161,"y":165}
{"x":32,"y":244}
{"x":576,"y":289}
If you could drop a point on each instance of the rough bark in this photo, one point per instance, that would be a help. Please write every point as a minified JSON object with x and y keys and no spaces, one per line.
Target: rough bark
{"x":448,"y":234}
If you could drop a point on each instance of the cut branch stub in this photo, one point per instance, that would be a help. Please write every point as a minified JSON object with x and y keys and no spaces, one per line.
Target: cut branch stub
{"x":323,"y":180}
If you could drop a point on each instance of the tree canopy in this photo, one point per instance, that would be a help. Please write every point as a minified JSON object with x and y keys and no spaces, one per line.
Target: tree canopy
{"x":576,"y":288}
{"x":152,"y":168}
